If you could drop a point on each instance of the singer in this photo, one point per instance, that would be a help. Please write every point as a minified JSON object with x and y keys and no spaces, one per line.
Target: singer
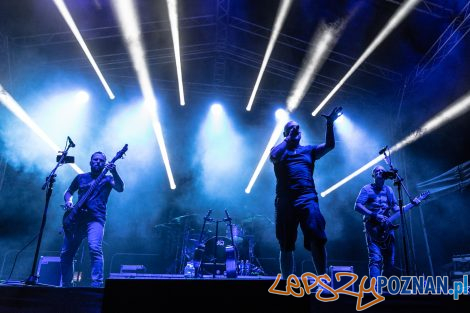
{"x":92,"y":222}
{"x":296,"y":198}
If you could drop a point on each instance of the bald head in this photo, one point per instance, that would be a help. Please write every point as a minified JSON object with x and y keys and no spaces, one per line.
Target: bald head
{"x":289,"y":126}
{"x":378,"y":169}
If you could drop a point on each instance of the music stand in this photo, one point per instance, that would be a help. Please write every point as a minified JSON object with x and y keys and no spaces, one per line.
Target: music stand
{"x":48,"y":186}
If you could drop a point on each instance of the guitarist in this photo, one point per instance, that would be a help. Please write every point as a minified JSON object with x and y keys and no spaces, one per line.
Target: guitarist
{"x":91,"y":220}
{"x":377,"y":202}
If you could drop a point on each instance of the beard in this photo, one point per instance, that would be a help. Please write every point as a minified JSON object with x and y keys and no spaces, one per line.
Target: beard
{"x":97,"y":169}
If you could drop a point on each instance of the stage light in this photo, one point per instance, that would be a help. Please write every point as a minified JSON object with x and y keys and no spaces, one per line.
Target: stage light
{"x":82,"y":97}
{"x":281,"y":121}
{"x":278,"y":22}
{"x":73,"y":27}
{"x":18,"y":111}
{"x":281,"y":114}
{"x":216,"y":109}
{"x":458,"y":108}
{"x":173,"y":14}
{"x":394,"y":21}
{"x":129,"y":24}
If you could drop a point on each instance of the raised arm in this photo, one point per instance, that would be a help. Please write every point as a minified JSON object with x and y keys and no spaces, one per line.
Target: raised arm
{"x":329,"y":143}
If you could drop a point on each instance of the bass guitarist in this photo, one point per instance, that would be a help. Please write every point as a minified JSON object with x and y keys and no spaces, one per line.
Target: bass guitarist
{"x":90,"y":219}
{"x":377,"y":203}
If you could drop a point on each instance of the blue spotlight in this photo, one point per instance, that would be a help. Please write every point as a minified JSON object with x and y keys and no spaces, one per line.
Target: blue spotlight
{"x":340,"y":119}
{"x":281,"y":114}
{"x":82,"y":97}
{"x":217,"y":109}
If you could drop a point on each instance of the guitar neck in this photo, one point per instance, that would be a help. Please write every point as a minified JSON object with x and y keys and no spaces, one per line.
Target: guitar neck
{"x":92,"y":188}
{"x":415,"y":202}
{"x":405,"y":209}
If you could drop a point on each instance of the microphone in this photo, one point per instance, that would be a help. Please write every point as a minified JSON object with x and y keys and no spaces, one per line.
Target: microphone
{"x":382,"y":151}
{"x":389,"y":175}
{"x":295,"y":130}
{"x":72,"y":144}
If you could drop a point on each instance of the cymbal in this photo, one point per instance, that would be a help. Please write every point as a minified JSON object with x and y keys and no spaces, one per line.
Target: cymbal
{"x":161,"y":225}
{"x":179,"y":218}
{"x":250,"y":219}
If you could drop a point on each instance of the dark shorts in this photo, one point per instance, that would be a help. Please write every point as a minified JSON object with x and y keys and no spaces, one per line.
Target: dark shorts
{"x":303,"y":210}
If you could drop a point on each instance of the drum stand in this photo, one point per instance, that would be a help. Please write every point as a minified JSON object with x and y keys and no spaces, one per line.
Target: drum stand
{"x":231,"y":255}
{"x":252,"y":257}
{"x":201,"y":248}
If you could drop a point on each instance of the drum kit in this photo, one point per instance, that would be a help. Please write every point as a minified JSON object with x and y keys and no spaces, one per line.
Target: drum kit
{"x":228,"y":252}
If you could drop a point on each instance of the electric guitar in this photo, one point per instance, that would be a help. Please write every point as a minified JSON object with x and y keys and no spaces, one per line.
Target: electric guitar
{"x":70,"y":218}
{"x":380,"y":231}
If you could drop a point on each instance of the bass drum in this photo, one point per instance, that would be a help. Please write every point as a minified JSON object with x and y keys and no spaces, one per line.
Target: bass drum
{"x":216,"y":250}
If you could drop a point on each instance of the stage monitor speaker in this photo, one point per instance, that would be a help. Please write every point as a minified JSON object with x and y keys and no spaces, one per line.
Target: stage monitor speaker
{"x":335,"y":284}
{"x":49,"y":270}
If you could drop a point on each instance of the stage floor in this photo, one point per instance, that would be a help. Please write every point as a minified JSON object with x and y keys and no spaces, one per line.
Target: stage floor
{"x":170,"y":293}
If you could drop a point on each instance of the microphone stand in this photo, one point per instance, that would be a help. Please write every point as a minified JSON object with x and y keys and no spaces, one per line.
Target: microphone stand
{"x":398,"y":181}
{"x":33,"y":278}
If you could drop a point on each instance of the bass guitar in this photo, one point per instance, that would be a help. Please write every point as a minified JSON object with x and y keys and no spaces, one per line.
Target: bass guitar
{"x":380,"y":231}
{"x":70,"y":218}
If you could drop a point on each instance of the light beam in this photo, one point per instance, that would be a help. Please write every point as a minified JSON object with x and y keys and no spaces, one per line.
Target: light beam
{"x":20,"y":113}
{"x":173,"y":14}
{"x":73,"y":27}
{"x":394,"y":21}
{"x":278,"y":22}
{"x":321,"y":45}
{"x":129,"y":23}
{"x":281,"y":121}
{"x":458,"y":108}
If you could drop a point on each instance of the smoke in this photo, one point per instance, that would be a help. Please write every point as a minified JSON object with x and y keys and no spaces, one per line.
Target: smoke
{"x":220,"y":152}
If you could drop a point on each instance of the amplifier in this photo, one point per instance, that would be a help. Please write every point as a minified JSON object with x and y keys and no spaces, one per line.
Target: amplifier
{"x":335,"y":284}
{"x":49,"y":270}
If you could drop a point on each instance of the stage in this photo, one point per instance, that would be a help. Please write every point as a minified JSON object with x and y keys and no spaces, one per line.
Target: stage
{"x":208,"y":294}
{"x":144,"y":140}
